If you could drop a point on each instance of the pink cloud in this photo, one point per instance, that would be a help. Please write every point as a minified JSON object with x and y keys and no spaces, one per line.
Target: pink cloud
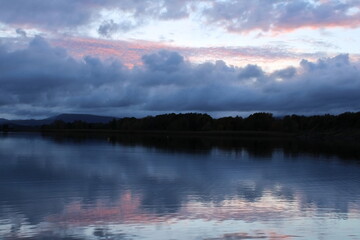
{"x":131,"y":52}
{"x":282,"y":16}
{"x":128,"y":209}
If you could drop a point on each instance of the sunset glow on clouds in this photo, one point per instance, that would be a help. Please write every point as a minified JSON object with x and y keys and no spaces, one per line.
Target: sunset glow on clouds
{"x":56,"y":47}
{"x":131,"y":52}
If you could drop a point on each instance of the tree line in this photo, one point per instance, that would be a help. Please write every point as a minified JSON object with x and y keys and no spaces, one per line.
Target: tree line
{"x":261,"y":121}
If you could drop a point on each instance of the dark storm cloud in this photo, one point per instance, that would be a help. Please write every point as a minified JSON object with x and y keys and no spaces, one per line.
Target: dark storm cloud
{"x":43,"y":75}
{"x":251,"y":71}
{"x":286,"y":73}
{"x":282,"y":15}
{"x":163,"y":61}
{"x":43,"y":78}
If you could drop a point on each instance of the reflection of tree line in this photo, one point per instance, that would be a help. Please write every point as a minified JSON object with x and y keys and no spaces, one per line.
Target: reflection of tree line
{"x":204,"y":122}
{"x":254,"y":146}
{"x":84,"y":174}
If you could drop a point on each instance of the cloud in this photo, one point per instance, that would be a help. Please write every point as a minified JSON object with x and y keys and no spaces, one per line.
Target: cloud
{"x":41,"y":75}
{"x":108,"y":28}
{"x":21,"y":32}
{"x":282,"y":15}
{"x":42,"y":78}
{"x":286,"y":73}
{"x":237,"y":192}
{"x":163,"y":61}
{"x":52,"y":14}
{"x":251,"y":71}
{"x":233,"y":15}
{"x":55,"y":15}
{"x":258,"y":235}
{"x":131,"y":52}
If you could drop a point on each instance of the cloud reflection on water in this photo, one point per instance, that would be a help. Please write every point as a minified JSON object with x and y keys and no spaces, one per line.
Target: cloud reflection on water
{"x":51,"y":185}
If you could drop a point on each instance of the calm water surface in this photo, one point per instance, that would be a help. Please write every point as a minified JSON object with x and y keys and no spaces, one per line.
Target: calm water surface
{"x":161,"y":188}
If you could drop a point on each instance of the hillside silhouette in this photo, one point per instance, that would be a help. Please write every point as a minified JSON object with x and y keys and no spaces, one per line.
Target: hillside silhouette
{"x":346,"y":123}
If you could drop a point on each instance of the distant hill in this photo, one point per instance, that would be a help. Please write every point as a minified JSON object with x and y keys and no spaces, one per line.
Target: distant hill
{"x":3,"y":121}
{"x":82,"y":117}
{"x":68,"y":118}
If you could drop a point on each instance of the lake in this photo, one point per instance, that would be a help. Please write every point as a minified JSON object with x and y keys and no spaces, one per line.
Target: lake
{"x":177,"y":187}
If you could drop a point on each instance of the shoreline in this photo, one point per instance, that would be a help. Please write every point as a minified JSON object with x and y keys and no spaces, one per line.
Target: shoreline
{"x":341,"y":136}
{"x":164,"y":133}
{"x":263,"y":143}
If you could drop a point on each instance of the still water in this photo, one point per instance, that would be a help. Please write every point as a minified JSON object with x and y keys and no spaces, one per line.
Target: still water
{"x":72,"y":188}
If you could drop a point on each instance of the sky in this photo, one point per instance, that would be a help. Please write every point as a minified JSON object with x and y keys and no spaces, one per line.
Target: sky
{"x":146,"y":57}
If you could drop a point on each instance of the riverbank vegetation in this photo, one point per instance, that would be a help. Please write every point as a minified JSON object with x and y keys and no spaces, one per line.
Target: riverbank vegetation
{"x":195,"y":122}
{"x":344,"y":125}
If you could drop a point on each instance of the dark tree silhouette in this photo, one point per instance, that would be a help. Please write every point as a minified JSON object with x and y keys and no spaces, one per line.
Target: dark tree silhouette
{"x":264,"y":122}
